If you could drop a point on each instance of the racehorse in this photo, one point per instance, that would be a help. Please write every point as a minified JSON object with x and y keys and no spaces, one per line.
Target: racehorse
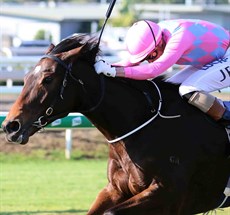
{"x":165,"y":156}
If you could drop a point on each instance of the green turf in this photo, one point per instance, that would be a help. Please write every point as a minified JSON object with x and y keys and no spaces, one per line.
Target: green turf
{"x":50,"y":187}
{"x":38,"y":186}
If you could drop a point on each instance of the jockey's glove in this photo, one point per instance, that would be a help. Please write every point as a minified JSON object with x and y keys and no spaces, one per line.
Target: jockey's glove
{"x":102,"y":67}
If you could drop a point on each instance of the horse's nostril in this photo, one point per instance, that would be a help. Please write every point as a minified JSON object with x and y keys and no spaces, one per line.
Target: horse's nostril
{"x":13,"y":126}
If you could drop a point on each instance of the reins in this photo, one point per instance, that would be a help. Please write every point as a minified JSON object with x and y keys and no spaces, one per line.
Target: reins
{"x":158,"y":113}
{"x":68,"y":68}
{"x":102,"y":84}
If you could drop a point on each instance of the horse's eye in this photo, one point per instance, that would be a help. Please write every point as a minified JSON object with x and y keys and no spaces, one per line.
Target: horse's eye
{"x":47,"y":80}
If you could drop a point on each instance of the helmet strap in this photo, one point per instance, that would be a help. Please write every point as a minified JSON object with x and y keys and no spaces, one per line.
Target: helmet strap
{"x":152,"y":32}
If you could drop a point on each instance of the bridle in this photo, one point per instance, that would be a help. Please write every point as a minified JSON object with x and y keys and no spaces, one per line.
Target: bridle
{"x":42,"y":120}
{"x":68,"y":72}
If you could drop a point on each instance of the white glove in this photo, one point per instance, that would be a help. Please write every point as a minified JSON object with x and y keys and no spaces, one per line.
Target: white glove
{"x":105,"y":68}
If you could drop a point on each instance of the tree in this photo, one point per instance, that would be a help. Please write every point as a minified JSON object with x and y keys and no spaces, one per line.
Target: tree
{"x":43,"y":35}
{"x":126,"y":15}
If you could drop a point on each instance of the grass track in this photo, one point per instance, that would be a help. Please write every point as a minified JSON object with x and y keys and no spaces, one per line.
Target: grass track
{"x":35,"y":186}
{"x":45,"y":187}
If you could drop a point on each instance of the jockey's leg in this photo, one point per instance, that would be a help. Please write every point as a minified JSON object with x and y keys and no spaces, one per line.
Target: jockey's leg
{"x":210,"y":105}
{"x":196,"y":83}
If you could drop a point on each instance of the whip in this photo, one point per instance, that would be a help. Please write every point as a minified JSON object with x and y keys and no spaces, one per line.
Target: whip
{"x":108,"y":13}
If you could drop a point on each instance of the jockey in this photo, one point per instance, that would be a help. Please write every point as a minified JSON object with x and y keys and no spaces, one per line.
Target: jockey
{"x":200,"y":45}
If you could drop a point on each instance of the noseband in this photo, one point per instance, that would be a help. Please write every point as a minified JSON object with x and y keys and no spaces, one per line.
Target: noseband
{"x":42,"y":122}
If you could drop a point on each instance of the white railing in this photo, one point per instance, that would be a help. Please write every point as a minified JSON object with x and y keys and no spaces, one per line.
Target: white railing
{"x":14,"y":69}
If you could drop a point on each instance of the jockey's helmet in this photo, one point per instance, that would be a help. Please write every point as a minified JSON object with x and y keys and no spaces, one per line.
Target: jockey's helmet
{"x":141,"y":39}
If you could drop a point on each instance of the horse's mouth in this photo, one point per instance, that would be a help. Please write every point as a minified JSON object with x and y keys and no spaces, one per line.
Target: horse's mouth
{"x":20,"y":134}
{"x":17,"y":133}
{"x":20,"y":137}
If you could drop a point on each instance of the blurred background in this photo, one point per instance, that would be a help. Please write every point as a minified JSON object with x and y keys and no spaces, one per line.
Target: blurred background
{"x":26,"y":30}
{"x":27,"y":27}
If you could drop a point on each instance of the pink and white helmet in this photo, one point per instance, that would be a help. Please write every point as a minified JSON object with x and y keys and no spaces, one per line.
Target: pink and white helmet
{"x":140,"y":40}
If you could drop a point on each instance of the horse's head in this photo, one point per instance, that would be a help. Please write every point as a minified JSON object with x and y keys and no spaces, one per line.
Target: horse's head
{"x":47,"y":87}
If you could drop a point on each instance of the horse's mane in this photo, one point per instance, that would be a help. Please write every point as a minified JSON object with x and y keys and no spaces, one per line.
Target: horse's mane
{"x":75,"y":41}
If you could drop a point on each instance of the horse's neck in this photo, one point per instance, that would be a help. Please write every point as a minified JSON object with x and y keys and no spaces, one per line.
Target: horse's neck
{"x":125,"y":106}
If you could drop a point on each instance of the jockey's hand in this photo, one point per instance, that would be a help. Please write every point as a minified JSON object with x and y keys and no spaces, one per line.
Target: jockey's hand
{"x":102,"y":67}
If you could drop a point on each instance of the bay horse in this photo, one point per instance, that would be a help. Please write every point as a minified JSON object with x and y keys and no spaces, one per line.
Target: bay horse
{"x":165,"y":156}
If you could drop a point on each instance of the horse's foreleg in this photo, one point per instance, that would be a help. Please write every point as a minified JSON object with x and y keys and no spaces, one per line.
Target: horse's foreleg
{"x":106,"y":199}
{"x":151,"y":201}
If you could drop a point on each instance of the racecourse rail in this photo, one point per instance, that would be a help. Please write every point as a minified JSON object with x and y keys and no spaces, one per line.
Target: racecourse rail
{"x":13,"y":69}
{"x":73,"y":120}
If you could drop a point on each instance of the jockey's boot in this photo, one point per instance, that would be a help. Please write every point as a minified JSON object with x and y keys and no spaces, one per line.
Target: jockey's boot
{"x":210,"y":105}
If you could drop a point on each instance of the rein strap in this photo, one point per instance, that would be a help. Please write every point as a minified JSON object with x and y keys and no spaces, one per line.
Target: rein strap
{"x":148,"y":121}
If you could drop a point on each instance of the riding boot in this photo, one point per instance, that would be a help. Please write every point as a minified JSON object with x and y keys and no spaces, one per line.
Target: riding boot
{"x":211,"y":106}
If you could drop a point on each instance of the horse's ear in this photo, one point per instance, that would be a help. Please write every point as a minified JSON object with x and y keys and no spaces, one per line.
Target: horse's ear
{"x":50,"y":48}
{"x":71,"y":53}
